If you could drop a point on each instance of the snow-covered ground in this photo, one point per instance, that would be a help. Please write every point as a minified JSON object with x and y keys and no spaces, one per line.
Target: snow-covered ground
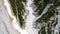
{"x":30,"y":20}
{"x":5,"y":21}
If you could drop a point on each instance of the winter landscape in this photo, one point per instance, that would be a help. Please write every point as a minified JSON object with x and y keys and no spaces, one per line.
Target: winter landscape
{"x":29,"y":16}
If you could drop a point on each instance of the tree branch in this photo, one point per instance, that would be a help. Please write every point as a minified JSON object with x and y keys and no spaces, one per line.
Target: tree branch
{"x":44,"y":11}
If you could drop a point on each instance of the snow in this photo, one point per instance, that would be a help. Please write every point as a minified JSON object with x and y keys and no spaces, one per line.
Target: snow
{"x":30,"y":18}
{"x":5,"y":21}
